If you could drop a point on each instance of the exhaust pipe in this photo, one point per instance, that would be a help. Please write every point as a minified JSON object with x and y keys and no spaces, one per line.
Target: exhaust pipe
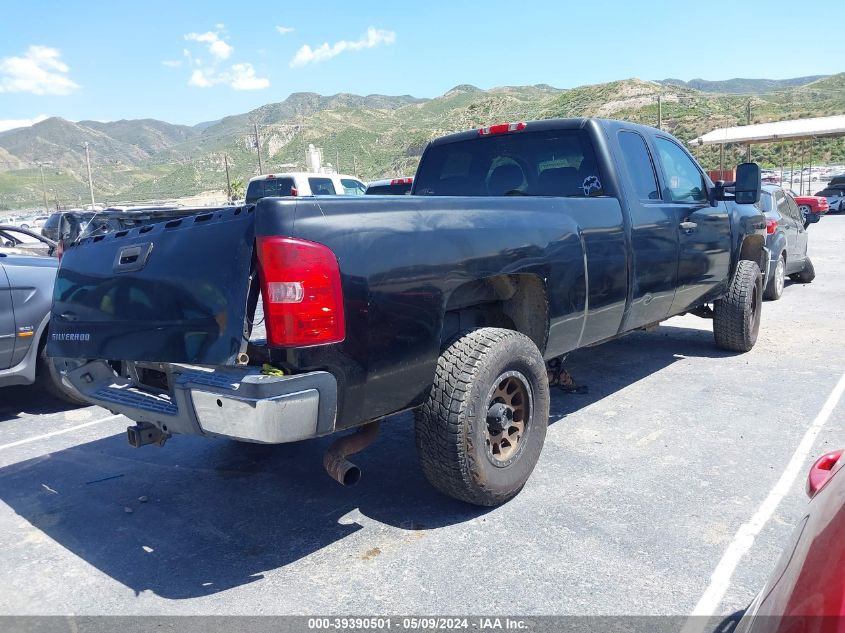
{"x":334,"y":461}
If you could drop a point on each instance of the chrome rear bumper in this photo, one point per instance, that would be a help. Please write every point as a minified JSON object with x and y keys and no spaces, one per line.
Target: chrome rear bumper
{"x":240,"y":403}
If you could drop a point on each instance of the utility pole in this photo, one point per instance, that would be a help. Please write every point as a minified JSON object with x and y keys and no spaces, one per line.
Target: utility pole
{"x":354,"y":166}
{"x":228,"y":182}
{"x":659,"y":112}
{"x":43,"y":186}
{"x":258,"y":147}
{"x":810,"y":174}
{"x":90,"y":181}
{"x":337,"y":160}
{"x":748,"y":116}
{"x":801,"y":176}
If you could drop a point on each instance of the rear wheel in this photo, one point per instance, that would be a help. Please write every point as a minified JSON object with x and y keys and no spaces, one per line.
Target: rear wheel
{"x":807,"y":275}
{"x":736,"y":316}
{"x":480,"y":432}
{"x":774,"y":286}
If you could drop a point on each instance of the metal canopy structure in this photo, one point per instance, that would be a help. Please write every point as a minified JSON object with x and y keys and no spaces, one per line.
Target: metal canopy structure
{"x":795,"y":130}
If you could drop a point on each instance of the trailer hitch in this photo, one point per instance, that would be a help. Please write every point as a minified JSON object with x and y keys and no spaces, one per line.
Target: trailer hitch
{"x":145,"y":433}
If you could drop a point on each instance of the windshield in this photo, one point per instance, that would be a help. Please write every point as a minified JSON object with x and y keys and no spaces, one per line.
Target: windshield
{"x":547,"y":163}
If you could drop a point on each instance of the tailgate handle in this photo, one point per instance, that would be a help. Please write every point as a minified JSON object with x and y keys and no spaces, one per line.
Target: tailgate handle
{"x":132,"y":258}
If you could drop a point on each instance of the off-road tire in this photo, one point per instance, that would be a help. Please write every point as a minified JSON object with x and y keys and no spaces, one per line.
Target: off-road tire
{"x":736,"y":316}
{"x":807,"y":275}
{"x":774,"y":286}
{"x":48,"y":378}
{"x":451,"y":427}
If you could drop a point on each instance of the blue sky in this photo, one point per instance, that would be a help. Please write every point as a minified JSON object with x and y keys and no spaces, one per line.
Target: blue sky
{"x":188,"y":62}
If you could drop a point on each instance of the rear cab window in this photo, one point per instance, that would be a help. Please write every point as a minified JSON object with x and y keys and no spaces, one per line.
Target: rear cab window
{"x":543,"y":163}
{"x":278,"y":187}
{"x":390,"y":190}
{"x":255,"y":191}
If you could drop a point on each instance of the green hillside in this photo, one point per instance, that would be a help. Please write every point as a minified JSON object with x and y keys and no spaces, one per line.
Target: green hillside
{"x":373,"y":136}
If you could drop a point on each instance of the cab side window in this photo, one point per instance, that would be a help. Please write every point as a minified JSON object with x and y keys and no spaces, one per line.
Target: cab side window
{"x":685,"y":182}
{"x":639,"y":165}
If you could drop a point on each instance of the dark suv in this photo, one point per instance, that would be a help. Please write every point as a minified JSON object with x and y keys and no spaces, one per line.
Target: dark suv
{"x":69,"y":223}
{"x":786,"y":239}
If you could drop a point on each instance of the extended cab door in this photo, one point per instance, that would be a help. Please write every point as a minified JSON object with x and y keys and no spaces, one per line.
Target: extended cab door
{"x":704,"y":231}
{"x":7,"y":321}
{"x":654,"y":234}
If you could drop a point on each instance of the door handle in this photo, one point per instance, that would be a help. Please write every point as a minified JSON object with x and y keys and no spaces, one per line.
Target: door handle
{"x":688,"y":226}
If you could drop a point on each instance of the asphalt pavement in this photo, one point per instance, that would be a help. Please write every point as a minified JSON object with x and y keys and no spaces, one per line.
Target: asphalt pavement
{"x":641,"y":489}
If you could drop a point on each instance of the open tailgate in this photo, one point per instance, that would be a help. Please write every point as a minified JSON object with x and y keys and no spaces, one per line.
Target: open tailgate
{"x":173,"y":292}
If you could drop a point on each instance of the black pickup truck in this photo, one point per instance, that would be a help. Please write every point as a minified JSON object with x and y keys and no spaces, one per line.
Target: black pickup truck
{"x":300,"y":317}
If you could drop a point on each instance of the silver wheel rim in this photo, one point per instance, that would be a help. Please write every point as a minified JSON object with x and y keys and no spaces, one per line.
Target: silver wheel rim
{"x":780,"y":276}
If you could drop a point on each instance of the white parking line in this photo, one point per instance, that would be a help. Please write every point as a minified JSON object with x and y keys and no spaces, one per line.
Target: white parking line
{"x":54,"y":433}
{"x":744,"y":539}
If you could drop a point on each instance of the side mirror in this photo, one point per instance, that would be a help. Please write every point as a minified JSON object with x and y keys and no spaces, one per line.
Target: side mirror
{"x":748,"y":183}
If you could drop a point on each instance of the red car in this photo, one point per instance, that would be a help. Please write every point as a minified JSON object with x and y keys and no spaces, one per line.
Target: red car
{"x":810,"y":204}
{"x":806,"y":591}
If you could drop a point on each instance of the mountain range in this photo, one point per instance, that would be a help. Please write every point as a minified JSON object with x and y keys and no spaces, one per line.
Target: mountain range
{"x":375,"y":135}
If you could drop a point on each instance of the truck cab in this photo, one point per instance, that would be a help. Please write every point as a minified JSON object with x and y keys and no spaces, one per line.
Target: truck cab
{"x":302,"y":184}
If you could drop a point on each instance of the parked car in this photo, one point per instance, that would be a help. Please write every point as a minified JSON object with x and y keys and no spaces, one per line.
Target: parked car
{"x":39,"y":221}
{"x":68,"y":223}
{"x":786,"y":239}
{"x":521,"y":243}
{"x":806,"y":589}
{"x":810,"y":204}
{"x":390,"y":187}
{"x":14,"y":239}
{"x":302,"y":184}
{"x":837,"y":182}
{"x":835,"y":199}
{"x":26,"y":291}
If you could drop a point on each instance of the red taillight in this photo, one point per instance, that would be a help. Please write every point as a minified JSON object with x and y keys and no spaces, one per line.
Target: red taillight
{"x":401,"y":181}
{"x":60,"y":249}
{"x":771,"y":225}
{"x":294,"y":192}
{"x":300,"y":285}
{"x":502,"y":128}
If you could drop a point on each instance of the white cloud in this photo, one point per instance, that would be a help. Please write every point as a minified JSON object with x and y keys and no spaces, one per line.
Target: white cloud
{"x":200,"y":80}
{"x":172,"y":63}
{"x":238,"y":77}
{"x":284,"y":30}
{"x":243,"y":77}
{"x":372,"y":38}
{"x":39,"y":71}
{"x":216,"y":46}
{"x":11,"y":124}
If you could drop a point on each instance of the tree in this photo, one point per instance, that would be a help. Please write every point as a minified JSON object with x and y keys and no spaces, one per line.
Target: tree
{"x":238,"y":190}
